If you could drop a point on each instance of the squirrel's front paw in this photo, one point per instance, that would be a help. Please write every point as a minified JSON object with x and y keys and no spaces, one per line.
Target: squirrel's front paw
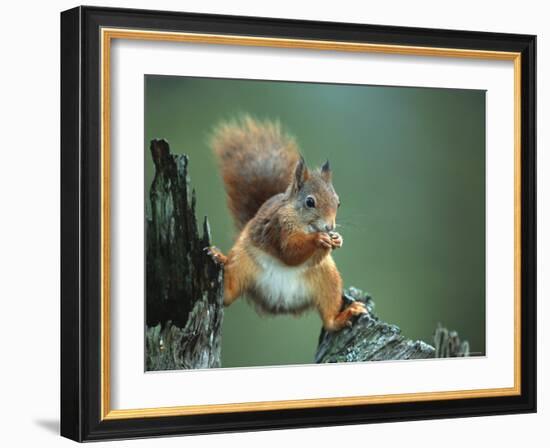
{"x":324,"y":240}
{"x":216,"y":255}
{"x":336,"y":240}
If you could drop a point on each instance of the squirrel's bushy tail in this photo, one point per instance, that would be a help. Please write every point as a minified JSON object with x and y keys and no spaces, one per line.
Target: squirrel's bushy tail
{"x":256,"y":159}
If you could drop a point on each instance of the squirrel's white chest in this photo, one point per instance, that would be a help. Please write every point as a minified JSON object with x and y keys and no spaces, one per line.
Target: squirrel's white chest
{"x":281,"y":288}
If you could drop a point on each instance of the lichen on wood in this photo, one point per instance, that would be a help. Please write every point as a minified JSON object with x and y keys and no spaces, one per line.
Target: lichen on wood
{"x":371,"y":339}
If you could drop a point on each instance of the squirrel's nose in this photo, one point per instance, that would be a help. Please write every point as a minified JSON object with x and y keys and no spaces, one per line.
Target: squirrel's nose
{"x":329,"y":227}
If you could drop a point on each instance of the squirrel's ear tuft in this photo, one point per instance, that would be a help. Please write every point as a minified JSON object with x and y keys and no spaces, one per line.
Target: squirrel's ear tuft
{"x":326,"y":172}
{"x":301,"y":174}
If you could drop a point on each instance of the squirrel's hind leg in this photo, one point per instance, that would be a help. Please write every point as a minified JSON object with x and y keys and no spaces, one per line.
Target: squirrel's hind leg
{"x":334,"y":318}
{"x":330,"y":302}
{"x":216,"y":255}
{"x":236,"y":273}
{"x":342,"y":319}
{"x":230,"y":292}
{"x":231,"y":289}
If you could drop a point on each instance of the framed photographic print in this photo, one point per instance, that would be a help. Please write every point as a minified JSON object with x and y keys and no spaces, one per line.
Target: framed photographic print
{"x":212,"y":167}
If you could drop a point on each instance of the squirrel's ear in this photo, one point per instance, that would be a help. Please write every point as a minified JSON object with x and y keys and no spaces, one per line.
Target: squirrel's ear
{"x":301,"y":174}
{"x":326,"y":172}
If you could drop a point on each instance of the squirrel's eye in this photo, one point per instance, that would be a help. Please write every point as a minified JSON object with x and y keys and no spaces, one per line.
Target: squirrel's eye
{"x":310,"y":202}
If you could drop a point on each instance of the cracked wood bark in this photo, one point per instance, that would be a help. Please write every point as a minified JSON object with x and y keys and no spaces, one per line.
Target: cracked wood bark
{"x":184,"y":287}
{"x":371,"y":339}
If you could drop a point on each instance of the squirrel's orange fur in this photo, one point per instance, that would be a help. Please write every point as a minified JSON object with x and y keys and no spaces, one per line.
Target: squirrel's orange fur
{"x":286,"y":216}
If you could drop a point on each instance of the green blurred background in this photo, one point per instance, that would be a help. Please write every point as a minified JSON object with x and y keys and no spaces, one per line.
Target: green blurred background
{"x":409,"y":167}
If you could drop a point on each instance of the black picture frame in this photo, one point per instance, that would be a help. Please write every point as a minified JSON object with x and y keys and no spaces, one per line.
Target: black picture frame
{"x":81,"y":224}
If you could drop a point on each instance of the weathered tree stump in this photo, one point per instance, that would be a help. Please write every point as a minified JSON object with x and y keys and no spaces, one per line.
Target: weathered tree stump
{"x":370,"y":339}
{"x":184,"y":287}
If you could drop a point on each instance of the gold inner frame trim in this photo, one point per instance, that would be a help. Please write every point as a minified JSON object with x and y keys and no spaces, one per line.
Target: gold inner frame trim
{"x":107,"y":35}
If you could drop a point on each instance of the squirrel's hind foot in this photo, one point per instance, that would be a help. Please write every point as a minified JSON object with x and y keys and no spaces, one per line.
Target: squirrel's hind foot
{"x":216,"y":255}
{"x":344,"y":318}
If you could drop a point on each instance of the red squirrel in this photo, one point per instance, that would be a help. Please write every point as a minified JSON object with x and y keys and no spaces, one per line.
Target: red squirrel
{"x":286,"y":216}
